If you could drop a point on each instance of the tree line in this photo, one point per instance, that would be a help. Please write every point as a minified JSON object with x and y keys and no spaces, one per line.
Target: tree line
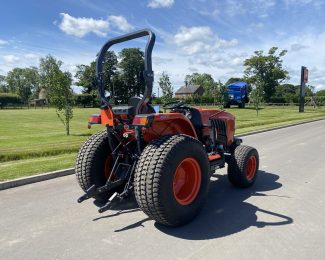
{"x":123,"y":78}
{"x":122,"y":73}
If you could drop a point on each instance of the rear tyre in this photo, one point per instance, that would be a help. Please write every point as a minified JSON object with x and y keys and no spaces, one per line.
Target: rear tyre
{"x":172,"y":179}
{"x":243,"y":166}
{"x":94,"y":163}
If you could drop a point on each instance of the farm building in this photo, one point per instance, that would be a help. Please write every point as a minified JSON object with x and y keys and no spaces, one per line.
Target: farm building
{"x":41,"y":100}
{"x":189,"y":91}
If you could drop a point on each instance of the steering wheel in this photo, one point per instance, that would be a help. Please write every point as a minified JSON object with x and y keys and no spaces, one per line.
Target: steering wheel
{"x":174,"y":104}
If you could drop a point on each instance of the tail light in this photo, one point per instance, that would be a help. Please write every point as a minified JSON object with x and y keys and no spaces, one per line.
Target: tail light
{"x":94,"y":119}
{"x":143,"y":120}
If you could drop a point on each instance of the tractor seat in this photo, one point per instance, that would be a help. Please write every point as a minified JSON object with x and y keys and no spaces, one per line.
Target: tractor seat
{"x":129,"y":109}
{"x":134,"y":101}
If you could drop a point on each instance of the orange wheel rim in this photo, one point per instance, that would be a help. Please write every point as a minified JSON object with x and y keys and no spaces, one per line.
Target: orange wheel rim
{"x":187,"y":181}
{"x":251,"y":168}
{"x":108,"y":166}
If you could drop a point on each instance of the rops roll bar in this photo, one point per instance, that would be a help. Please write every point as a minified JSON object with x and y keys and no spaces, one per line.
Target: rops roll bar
{"x":147,"y":73}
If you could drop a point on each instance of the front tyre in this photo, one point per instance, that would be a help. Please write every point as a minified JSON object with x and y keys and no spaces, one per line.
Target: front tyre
{"x":172,"y":179}
{"x":243,"y":166}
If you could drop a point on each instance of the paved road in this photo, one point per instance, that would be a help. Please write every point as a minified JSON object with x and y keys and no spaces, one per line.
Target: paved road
{"x":281,"y":217}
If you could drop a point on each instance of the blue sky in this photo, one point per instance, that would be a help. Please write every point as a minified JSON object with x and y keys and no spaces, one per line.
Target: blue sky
{"x":192,"y":36}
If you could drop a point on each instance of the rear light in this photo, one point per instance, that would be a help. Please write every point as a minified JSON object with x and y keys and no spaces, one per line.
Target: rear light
{"x":141,"y":120}
{"x":94,"y":119}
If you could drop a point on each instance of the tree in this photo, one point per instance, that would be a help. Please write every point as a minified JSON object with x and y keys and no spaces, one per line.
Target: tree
{"x":285,"y":93}
{"x":233,"y":80}
{"x":205,"y":80}
{"x":257,"y":96}
{"x":85,"y":75}
{"x":110,"y":69}
{"x":23,"y":81}
{"x":166,"y":87}
{"x":3,"y":84}
{"x":58,"y":86}
{"x":266,"y":71}
{"x":222,"y":94}
{"x":320,"y":93}
{"x":130,"y":81}
{"x":122,"y":79}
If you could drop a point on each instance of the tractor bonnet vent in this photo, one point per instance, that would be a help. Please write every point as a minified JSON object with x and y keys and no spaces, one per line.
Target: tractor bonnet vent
{"x":221,"y":129}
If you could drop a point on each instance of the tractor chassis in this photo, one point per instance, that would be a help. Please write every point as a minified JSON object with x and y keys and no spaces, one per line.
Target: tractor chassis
{"x":124,"y":172}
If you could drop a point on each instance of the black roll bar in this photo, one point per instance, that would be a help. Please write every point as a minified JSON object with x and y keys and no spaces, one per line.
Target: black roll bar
{"x":147,"y":73}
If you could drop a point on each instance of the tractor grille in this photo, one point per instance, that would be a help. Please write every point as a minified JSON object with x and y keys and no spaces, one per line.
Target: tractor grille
{"x":221,"y":129}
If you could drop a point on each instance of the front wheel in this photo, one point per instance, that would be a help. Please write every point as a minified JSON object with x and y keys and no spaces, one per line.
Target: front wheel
{"x":243,"y":166}
{"x":172,"y":179}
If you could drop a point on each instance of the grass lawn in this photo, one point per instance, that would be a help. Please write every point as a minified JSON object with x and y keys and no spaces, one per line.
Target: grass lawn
{"x":34,"y":141}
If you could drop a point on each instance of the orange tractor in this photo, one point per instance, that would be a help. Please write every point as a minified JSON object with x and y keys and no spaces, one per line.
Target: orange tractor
{"x":166,"y":159}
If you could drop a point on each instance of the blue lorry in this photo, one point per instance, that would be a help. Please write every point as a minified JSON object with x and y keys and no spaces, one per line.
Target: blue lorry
{"x":237,"y":94}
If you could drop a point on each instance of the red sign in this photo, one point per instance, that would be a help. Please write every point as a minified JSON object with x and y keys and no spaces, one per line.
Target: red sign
{"x":305,"y":75}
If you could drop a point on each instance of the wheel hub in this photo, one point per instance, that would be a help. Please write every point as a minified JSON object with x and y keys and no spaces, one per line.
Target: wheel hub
{"x":187,"y":181}
{"x":251,"y":167}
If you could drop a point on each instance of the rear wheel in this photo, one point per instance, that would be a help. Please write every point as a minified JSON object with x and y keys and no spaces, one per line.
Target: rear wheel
{"x":94,"y":163}
{"x":172,"y":179}
{"x":243,"y":166}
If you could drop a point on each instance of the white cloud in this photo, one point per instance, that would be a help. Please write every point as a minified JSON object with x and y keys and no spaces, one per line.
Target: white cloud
{"x":160,"y":3}
{"x":81,"y":26}
{"x":297,"y":47}
{"x":31,"y":56}
{"x":200,"y":40}
{"x":187,"y":35}
{"x":221,"y":10}
{"x":3,"y":42}
{"x":120,"y":23}
{"x":10,"y":58}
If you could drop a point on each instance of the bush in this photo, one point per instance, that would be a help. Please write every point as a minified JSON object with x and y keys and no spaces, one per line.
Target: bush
{"x":157,"y":100}
{"x":9,"y":99}
{"x":85,"y":100}
{"x":277,"y":100}
{"x":320,"y":100}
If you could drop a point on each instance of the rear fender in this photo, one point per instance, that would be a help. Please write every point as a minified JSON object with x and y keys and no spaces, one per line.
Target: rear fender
{"x":168,"y":124}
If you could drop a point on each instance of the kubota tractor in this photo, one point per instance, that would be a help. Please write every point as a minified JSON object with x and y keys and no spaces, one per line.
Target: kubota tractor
{"x":166,"y":159}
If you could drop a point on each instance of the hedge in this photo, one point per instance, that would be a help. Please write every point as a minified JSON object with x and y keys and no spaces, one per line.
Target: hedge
{"x":9,"y":99}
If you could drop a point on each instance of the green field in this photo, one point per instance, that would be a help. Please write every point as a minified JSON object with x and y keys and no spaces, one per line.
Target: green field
{"x":33,"y":140}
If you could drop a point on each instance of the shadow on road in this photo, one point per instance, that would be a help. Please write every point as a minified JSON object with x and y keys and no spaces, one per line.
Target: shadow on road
{"x":128,"y":205}
{"x":226,"y":211}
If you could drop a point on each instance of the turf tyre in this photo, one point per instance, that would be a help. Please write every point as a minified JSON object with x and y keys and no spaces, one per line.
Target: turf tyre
{"x":90,"y":163}
{"x":154,"y":176}
{"x":240,"y":171}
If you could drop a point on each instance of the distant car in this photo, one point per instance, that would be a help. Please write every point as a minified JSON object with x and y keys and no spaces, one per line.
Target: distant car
{"x":237,"y":94}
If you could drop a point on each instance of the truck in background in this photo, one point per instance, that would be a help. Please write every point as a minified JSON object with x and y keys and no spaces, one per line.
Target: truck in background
{"x":237,"y":94}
